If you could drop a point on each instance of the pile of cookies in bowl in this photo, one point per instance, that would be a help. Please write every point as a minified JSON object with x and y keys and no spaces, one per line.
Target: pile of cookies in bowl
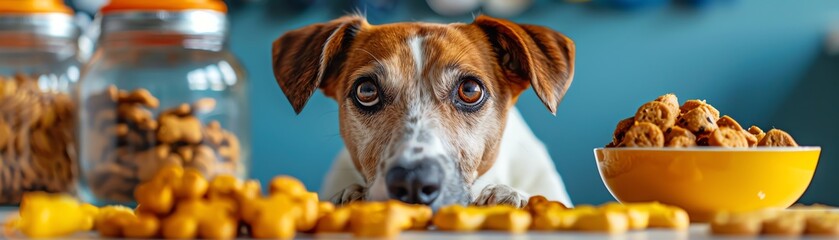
{"x":664,"y":122}
{"x":689,"y":155}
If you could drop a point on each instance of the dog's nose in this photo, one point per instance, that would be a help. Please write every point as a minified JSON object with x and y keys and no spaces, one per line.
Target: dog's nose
{"x":417,"y":183}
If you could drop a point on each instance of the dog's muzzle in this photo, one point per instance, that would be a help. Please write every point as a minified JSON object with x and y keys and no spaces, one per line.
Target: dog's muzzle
{"x":417,"y":182}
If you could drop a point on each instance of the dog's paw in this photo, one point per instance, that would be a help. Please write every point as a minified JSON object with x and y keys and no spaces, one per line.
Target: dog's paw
{"x":495,"y":194}
{"x":350,"y":194}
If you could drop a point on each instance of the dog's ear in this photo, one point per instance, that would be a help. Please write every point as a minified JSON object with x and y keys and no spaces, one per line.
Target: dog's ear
{"x":532,"y":55}
{"x":309,"y":58}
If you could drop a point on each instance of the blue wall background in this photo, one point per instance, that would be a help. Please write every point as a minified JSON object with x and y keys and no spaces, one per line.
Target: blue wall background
{"x":760,"y":61}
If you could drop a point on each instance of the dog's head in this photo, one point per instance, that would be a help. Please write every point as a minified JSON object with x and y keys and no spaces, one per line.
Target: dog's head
{"x":423,"y":106}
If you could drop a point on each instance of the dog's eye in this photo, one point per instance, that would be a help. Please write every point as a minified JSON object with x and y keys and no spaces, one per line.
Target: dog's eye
{"x":367,"y":93}
{"x":470,"y":91}
{"x":469,"y":94}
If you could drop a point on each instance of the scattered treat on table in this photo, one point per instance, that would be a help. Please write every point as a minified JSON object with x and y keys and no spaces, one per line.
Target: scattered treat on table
{"x":796,"y":221}
{"x":178,"y":203}
{"x":37,"y":139}
{"x":46,"y":215}
{"x":734,"y":223}
{"x":474,"y":218}
{"x":134,"y":144}
{"x":665,"y":216}
{"x":784,"y":223}
{"x":663,"y":123}
{"x":609,"y":217}
{"x":638,"y":218}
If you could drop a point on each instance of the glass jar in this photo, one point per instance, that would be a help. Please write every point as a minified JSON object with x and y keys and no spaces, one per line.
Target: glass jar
{"x":161,"y":89}
{"x":39,"y":69}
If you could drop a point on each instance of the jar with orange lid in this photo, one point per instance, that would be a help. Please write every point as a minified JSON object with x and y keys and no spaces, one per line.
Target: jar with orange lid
{"x":161,"y":89}
{"x":39,"y":68}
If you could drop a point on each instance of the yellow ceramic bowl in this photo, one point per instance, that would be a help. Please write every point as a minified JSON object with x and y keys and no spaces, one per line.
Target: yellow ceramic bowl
{"x":708,"y":179}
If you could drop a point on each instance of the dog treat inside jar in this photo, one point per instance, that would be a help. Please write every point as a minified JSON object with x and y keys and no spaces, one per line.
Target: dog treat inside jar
{"x":38,"y":71}
{"x":161,"y":90}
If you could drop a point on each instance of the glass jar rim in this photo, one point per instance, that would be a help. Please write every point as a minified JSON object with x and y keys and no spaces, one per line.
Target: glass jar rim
{"x":189,"y":22}
{"x":52,"y":25}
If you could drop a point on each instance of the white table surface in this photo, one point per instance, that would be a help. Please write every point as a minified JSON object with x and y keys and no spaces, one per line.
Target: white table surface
{"x":696,"y":231}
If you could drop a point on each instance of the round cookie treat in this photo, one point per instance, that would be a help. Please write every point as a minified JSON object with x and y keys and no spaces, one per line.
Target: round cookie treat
{"x":727,"y":137}
{"x":695,"y":103}
{"x":643,"y":134}
{"x":671,"y":100}
{"x":726,"y":121}
{"x":659,"y":113}
{"x":679,"y":137}
{"x":620,"y":131}
{"x":698,"y":120}
{"x":777,"y":138}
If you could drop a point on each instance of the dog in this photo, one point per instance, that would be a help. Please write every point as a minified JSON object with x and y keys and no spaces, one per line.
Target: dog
{"x":426,"y":111}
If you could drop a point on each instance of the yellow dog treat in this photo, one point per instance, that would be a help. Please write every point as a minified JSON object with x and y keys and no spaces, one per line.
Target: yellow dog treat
{"x":275,"y":216}
{"x":287,"y":185}
{"x":459,"y":218}
{"x":638,"y":217}
{"x":335,"y":221}
{"x":204,"y":218}
{"x":119,"y":221}
{"x":44,"y":215}
{"x":507,"y":218}
{"x":537,"y":204}
{"x":786,"y":224}
{"x":664,"y":216}
{"x":823,"y":224}
{"x":726,"y":223}
{"x":603,"y":220}
{"x":158,"y":196}
{"x":467,"y":219}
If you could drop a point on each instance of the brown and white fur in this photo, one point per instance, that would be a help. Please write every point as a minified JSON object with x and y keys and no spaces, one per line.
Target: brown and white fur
{"x":485,"y":155}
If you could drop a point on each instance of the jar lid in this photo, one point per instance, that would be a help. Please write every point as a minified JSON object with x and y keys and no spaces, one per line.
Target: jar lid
{"x":42,"y":18}
{"x":167,"y":5}
{"x":33,"y":6}
{"x":191,"y":17}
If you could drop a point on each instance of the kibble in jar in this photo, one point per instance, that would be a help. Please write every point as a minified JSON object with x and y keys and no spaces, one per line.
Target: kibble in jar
{"x":37,"y":148}
{"x":133,"y":137}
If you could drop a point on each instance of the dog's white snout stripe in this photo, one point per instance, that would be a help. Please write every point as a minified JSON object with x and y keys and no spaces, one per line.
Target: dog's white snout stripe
{"x":415,"y":44}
